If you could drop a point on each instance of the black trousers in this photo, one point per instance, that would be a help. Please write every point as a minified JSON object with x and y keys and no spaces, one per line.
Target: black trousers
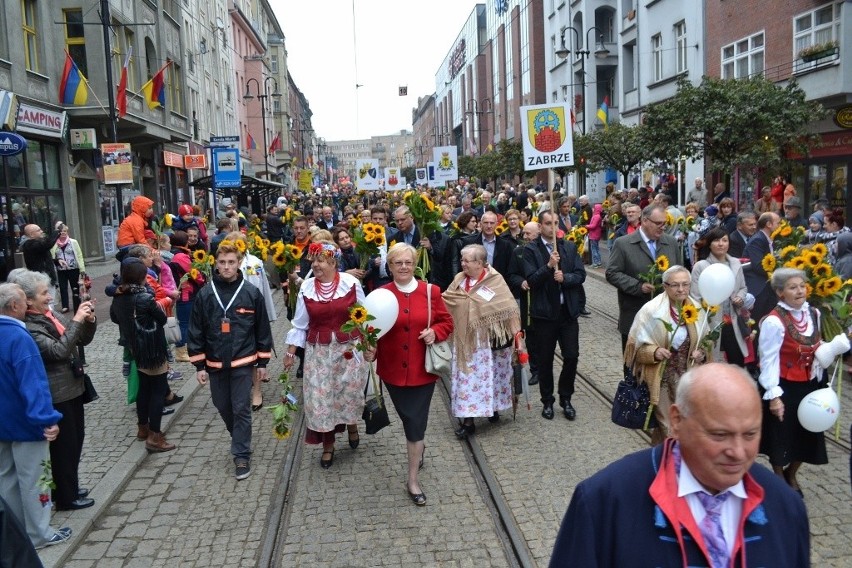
{"x":564,"y":331}
{"x":149,"y":402}
{"x":66,"y":449}
{"x":69,"y":277}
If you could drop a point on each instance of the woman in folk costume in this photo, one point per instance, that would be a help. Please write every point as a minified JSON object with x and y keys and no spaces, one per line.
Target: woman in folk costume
{"x":486,"y":319}
{"x":664,"y":342}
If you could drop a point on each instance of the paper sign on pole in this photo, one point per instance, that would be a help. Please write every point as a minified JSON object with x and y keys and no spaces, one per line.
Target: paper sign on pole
{"x":392,"y":179}
{"x":546,"y":134}
{"x":420,"y":176}
{"x":368,"y":174}
{"x":446,"y":163}
{"x":118,"y":163}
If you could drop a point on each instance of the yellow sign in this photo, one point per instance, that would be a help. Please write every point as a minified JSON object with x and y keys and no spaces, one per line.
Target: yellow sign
{"x":117,"y":163}
{"x":306,"y":179}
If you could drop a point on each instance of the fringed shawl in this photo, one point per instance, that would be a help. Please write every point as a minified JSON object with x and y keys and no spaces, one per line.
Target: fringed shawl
{"x":647,"y":334}
{"x":498,"y":318}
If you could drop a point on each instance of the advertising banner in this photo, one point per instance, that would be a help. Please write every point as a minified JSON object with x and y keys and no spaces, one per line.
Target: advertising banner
{"x":118,"y":163}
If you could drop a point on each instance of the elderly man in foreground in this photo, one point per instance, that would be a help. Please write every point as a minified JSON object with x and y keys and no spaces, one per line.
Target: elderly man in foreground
{"x":696,"y":500}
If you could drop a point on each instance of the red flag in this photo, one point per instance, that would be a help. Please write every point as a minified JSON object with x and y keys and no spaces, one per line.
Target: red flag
{"x":121,"y":94}
{"x":276,"y":143}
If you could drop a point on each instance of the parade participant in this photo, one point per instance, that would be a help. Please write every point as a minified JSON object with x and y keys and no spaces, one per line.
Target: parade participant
{"x":57,"y":343}
{"x":436,"y":245}
{"x":513,"y":232}
{"x":334,"y":372}
{"x":658,"y":504}
{"x":186,"y":219}
{"x":327,"y":221}
{"x":181,"y":264}
{"x":499,"y":250}
{"x":555,"y":278}
{"x":595,"y":228}
{"x":223,"y":227}
{"x":132,"y":228}
{"x":401,"y":355}
{"x":756,"y":278}
{"x":350,"y":261}
{"x":766,"y":203}
{"x":486,"y":319}
{"x":30,"y":422}
{"x":793,"y":212}
{"x":632,"y":220}
{"x":663,"y":343}
{"x":193,"y":239}
{"x":633,"y":255}
{"x":746,"y":228}
{"x":835,"y":224}
{"x":229,"y":335}
{"x":789,"y":336}
{"x":132,"y":306}
{"x":713,"y":249}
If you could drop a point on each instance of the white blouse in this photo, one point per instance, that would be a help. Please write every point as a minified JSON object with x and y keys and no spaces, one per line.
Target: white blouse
{"x":299,"y":332}
{"x":769,"y":349}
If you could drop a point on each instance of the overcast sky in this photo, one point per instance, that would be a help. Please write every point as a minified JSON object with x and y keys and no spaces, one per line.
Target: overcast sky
{"x":399,"y":43}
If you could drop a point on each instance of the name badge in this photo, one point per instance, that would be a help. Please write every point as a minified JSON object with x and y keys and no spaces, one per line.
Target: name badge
{"x":486,"y":293}
{"x":226,"y":325}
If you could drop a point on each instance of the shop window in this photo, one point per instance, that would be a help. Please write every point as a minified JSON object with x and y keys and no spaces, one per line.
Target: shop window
{"x":839,"y":185}
{"x":35,"y":165}
{"x":43,"y":210}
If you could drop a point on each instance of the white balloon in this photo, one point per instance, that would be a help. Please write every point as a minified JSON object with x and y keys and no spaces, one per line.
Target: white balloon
{"x":819,"y":410}
{"x":716,"y":284}
{"x":382,"y":305}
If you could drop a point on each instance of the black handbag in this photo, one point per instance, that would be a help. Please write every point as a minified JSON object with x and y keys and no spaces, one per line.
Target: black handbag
{"x":631,"y":403}
{"x":148,"y":345}
{"x":89,"y":394}
{"x":375,"y":413}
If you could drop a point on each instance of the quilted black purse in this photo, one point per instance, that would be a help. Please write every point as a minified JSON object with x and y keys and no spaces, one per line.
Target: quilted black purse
{"x":631,"y":403}
{"x":375,"y":413}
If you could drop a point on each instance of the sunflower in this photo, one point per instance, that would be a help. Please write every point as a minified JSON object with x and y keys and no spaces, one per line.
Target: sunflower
{"x":820,"y":249}
{"x":831,"y":285}
{"x":786,"y":231}
{"x":822,"y":270}
{"x":787,"y":251}
{"x":669,"y":219}
{"x":369,"y":237}
{"x":265,"y":242}
{"x":198,"y":256}
{"x":583,"y":231}
{"x":808,"y":290}
{"x":167,"y":218}
{"x":689,"y":313}
{"x":210,"y":259}
{"x":812,"y":259}
{"x":662,"y":263}
{"x":768,"y":263}
{"x":708,"y":308}
{"x":799,"y":263}
{"x":379,"y":240}
{"x":606,"y":204}
{"x":571,"y":238}
{"x":279,"y":260}
{"x":241,"y":246}
{"x":281,"y":432}
{"x":358,"y":315}
{"x":194,"y":273}
{"x":264,"y":254}
{"x":775,"y":233}
{"x":429,"y":203}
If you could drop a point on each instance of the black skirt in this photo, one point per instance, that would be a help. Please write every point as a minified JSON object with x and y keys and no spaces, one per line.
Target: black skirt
{"x":412,"y":406}
{"x":784,"y":442}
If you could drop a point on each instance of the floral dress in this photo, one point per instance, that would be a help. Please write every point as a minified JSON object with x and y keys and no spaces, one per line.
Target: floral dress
{"x":486,"y":387}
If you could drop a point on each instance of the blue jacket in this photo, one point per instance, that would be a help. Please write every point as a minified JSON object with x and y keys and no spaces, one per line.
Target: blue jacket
{"x":25,"y":403}
{"x":613,"y":521}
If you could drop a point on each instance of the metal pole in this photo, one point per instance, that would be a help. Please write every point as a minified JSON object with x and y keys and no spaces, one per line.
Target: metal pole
{"x":105,"y":26}
{"x":263,"y":122}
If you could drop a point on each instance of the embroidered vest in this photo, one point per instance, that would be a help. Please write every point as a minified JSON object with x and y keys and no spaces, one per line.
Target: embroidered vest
{"x":797,"y":350}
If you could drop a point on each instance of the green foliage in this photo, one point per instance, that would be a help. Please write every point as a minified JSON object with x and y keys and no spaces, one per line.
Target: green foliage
{"x":618,"y":147}
{"x":409,"y":174}
{"x":733,"y":123}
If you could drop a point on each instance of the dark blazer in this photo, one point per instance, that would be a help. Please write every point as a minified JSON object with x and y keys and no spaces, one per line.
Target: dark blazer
{"x":756,"y":278}
{"x":736,"y":245}
{"x":438,"y":260}
{"x":613,"y":521}
{"x":544,"y":290}
{"x":37,"y":255}
{"x":629,"y":258}
{"x":502,"y":254}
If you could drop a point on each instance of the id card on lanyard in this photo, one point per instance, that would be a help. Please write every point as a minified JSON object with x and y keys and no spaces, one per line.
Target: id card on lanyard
{"x":226,"y":322}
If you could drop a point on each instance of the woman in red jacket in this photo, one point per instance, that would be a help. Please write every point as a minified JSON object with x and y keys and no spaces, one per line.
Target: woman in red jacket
{"x":402,"y":354}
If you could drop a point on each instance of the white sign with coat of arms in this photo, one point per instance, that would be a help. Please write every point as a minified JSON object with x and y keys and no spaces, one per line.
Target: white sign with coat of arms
{"x":446,"y":161}
{"x":547,"y":137}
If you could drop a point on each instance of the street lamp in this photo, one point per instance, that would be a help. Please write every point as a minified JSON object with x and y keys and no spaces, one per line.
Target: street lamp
{"x":477,"y":110}
{"x":438,"y":135}
{"x":276,"y":95}
{"x":600,"y":52}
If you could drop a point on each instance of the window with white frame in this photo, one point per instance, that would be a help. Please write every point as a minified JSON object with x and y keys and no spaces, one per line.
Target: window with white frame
{"x":657,"y":52}
{"x":680,"y":44}
{"x":743,"y":58}
{"x":816,"y":27}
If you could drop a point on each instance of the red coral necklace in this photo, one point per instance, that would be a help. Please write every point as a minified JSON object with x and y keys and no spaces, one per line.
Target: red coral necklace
{"x":325,"y":292}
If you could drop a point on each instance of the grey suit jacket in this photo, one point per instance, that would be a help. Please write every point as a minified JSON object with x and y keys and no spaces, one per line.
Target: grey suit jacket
{"x":629,"y":258}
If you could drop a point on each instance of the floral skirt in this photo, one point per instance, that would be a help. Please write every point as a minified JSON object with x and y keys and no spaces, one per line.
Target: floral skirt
{"x":486,"y":387}
{"x":333,"y":386}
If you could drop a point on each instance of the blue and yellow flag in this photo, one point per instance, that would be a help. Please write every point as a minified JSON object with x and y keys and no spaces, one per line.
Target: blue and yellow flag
{"x":72,"y":86}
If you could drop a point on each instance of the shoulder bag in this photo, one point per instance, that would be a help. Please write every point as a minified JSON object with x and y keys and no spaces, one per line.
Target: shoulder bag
{"x":375,"y":413}
{"x":439,"y":355}
{"x":631,"y":403}
{"x":172,"y":330}
{"x":147,"y":345}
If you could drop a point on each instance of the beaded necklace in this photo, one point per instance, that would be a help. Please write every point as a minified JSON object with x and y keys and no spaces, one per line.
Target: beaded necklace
{"x":325,"y":292}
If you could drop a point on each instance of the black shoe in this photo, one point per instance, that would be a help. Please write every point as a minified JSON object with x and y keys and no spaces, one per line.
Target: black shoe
{"x":174,"y":400}
{"x":327,"y":463}
{"x":569,"y":411}
{"x":168,"y":410}
{"x":353,"y":442}
{"x":77,"y":504}
{"x":82,"y":492}
{"x":494,"y":418}
{"x":533,"y":379}
{"x":547,"y":412}
{"x":299,"y":374}
{"x":418,"y":499}
{"x":464,"y":430}
{"x":585,"y":313}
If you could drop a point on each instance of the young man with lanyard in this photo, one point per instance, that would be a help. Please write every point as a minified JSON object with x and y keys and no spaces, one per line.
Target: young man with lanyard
{"x":230,"y":336}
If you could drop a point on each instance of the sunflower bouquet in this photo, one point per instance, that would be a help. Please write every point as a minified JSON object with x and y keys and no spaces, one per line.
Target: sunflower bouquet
{"x":577,"y":235}
{"x":427,"y":216}
{"x":687,"y":313}
{"x":502,"y":227}
{"x":359,"y":319}
{"x":286,"y":258}
{"x":258,"y":245}
{"x":368,"y":238}
{"x":282,"y":413}
{"x":200,"y":268}
{"x":654,"y":274}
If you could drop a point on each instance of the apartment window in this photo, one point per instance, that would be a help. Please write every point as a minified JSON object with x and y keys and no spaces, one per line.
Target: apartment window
{"x":190,"y":60}
{"x":273,"y":63}
{"x":75,"y":41}
{"x":565,"y":93}
{"x":28,"y":9}
{"x":657,"y":52}
{"x":680,"y":43}
{"x":816,"y":27}
{"x":173,"y":79}
{"x":743,"y":58}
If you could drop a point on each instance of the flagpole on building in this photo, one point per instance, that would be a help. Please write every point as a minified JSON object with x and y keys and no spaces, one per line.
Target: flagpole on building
{"x":105,"y":25}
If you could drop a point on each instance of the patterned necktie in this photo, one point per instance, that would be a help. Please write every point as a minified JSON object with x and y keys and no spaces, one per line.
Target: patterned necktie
{"x":711,"y":528}
{"x":652,"y":246}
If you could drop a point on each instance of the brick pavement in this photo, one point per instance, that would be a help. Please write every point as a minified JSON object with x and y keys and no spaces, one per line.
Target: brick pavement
{"x":186,"y":504}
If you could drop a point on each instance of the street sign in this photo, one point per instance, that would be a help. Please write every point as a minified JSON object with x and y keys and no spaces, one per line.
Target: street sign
{"x":225,"y":142}
{"x":226,"y":167}
{"x":12,"y":144}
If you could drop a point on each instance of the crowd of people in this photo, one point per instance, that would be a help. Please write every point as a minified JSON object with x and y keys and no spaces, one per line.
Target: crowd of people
{"x":497,"y":272}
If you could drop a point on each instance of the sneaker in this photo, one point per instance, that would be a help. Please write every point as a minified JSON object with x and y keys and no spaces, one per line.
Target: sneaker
{"x":60,"y":536}
{"x":242,"y":470}
{"x":174,"y":375}
{"x":125,"y":369}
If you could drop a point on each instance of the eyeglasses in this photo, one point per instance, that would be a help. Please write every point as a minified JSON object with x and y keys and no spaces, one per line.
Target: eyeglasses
{"x":401,"y":263}
{"x":657,"y":223}
{"x":471,"y":261}
{"x":678,"y":285}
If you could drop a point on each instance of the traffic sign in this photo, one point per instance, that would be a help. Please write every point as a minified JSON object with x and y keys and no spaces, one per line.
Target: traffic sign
{"x":226,"y":167}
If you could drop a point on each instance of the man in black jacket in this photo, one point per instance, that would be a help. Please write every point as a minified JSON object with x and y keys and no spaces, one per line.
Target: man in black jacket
{"x":499,"y":250}
{"x":555,"y":278}
{"x":229,"y":335}
{"x":36,"y":246}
